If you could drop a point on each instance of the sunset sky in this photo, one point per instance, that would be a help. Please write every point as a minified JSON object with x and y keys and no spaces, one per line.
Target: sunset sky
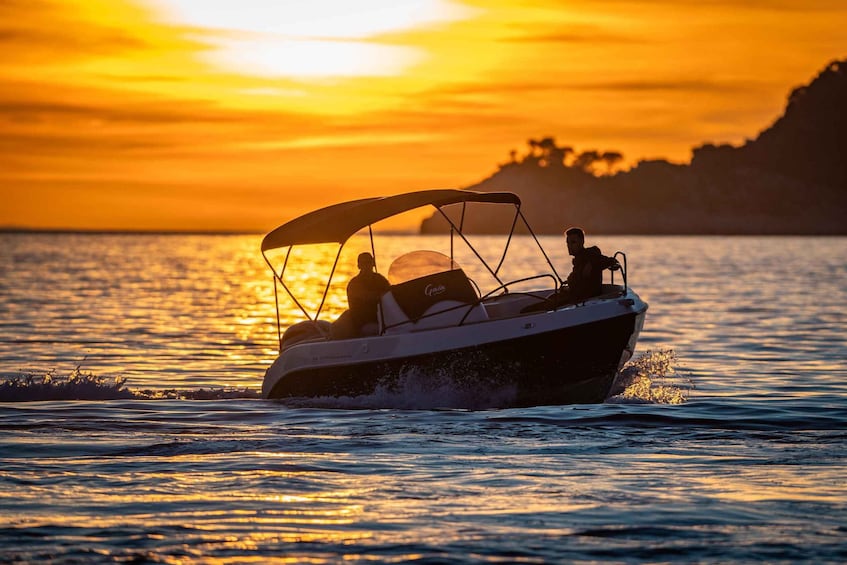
{"x":239,"y":114}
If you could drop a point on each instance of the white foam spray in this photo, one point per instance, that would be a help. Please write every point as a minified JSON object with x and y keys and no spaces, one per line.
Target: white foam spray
{"x":652,"y":378}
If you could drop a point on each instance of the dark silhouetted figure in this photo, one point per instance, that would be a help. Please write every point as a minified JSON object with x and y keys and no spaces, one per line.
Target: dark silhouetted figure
{"x":363,"y":294}
{"x":586,"y":278}
{"x":365,"y":290}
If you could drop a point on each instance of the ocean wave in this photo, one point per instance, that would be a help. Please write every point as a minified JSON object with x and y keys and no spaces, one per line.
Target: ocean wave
{"x":703,"y":416}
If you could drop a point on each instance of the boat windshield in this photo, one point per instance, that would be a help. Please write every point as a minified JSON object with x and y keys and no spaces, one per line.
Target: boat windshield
{"x":417,"y":264}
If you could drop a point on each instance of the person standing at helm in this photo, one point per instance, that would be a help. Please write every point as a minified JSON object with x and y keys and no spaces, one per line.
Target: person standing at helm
{"x":586,"y":278}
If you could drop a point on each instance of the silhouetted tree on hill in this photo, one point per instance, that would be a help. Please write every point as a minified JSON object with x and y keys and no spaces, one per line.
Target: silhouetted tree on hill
{"x":553,"y":155}
{"x":611,"y":158}
{"x":544,"y":152}
{"x":585,"y":160}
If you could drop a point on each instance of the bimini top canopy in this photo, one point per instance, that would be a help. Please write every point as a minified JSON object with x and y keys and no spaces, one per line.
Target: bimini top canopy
{"x":336,"y":223}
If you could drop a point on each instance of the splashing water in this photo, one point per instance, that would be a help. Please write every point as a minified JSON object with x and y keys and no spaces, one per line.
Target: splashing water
{"x":77,"y":385}
{"x":80,"y":384}
{"x":651,"y":378}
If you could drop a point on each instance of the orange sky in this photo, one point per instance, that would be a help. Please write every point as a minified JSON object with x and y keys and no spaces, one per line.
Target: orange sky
{"x":239,"y":114}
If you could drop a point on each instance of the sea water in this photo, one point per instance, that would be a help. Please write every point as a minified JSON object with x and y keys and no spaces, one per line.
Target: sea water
{"x":729,"y":446}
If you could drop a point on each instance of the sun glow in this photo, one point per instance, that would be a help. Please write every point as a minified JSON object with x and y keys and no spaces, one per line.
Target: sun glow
{"x":313,"y":58}
{"x":318,"y":39}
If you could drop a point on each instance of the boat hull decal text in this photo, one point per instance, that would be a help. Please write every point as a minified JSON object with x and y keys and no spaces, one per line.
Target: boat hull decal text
{"x":435,"y":289}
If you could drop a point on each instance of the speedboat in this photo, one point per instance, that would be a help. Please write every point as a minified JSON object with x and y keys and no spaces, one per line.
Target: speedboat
{"x":435,"y":321}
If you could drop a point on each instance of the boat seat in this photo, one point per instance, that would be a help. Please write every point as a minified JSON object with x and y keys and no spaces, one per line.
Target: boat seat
{"x":434,"y":301}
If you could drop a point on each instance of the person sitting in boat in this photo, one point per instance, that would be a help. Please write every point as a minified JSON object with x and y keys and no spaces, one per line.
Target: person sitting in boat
{"x":363,"y":294}
{"x":586,"y":278}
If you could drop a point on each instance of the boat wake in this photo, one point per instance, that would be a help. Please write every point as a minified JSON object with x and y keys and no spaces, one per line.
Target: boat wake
{"x":77,"y":385}
{"x":80,"y":384}
{"x":651,"y":378}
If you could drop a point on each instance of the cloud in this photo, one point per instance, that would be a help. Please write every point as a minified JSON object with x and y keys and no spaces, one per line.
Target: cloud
{"x":514,"y":89}
{"x":29,"y":42}
{"x":670,"y":85}
{"x":571,"y":34}
{"x":51,"y":32}
{"x":752,"y":5}
{"x":155,"y":112}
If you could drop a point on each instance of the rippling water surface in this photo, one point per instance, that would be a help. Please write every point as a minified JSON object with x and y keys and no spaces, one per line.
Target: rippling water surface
{"x":750,"y":467}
